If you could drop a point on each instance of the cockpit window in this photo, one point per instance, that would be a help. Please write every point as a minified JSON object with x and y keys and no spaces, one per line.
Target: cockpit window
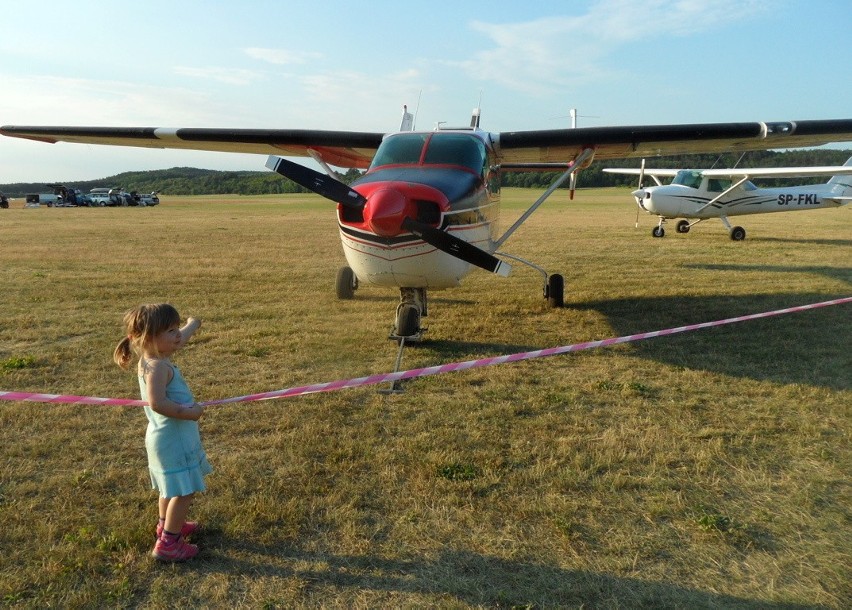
{"x":689,"y":178}
{"x":404,"y":149}
{"x":717,"y":185}
{"x":457,"y":149}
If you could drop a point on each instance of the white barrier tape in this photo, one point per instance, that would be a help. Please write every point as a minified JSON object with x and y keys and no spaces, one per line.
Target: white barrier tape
{"x":423,"y":372}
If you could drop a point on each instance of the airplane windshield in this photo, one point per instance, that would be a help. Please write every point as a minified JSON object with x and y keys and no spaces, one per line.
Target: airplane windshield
{"x":400,"y":150}
{"x":688,"y":177}
{"x":457,"y":149}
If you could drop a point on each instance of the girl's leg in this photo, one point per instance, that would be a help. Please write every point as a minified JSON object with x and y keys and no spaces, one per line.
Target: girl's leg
{"x":177,"y":509}
{"x":163,"y":507}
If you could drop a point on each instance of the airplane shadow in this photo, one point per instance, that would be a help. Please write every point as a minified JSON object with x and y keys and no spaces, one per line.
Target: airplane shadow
{"x":392,"y":299}
{"x":844,"y":274}
{"x":523,"y":584}
{"x":810,"y":347}
{"x":811,"y":242}
{"x":447,"y":349}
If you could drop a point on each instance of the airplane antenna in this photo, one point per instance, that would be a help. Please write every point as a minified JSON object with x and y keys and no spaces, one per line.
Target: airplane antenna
{"x":416,"y":110}
{"x":573,"y":114}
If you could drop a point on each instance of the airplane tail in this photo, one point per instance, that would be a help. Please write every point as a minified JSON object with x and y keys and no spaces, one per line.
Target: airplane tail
{"x":843,"y":180}
{"x":841,"y":187}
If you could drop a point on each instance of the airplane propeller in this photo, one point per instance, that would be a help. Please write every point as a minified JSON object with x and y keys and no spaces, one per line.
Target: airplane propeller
{"x":333,"y":189}
{"x":641,"y":188}
{"x":456,"y":247}
{"x":319,"y":183}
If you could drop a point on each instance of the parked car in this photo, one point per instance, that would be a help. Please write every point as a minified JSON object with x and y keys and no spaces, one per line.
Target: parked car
{"x":148,"y":199}
{"x":107,"y":196}
{"x":35,"y":200}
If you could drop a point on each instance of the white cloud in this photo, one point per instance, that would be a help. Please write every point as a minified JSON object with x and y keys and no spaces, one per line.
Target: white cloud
{"x":282,"y":56}
{"x":72,"y":101}
{"x":229,"y":76}
{"x":540,"y":55}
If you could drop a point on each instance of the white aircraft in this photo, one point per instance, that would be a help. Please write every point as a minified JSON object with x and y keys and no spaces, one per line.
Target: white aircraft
{"x":719,"y":193}
{"x":425,"y":213}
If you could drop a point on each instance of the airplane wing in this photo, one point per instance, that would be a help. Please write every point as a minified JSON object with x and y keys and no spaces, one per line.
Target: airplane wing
{"x":356,"y":149}
{"x":559,"y":145}
{"x":341,"y":148}
{"x":778,"y":172}
{"x":648,"y":171}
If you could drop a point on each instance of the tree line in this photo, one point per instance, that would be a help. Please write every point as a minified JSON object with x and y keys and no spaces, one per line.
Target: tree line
{"x":193,"y":181}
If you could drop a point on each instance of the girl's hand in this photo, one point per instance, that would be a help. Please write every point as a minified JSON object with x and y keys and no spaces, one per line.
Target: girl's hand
{"x":192,"y":412}
{"x":188,"y":329}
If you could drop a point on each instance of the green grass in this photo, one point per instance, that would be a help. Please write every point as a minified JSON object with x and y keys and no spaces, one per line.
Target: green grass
{"x":709,"y":469}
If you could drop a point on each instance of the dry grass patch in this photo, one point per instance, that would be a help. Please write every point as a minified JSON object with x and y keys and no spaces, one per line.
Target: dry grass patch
{"x":702,"y":470}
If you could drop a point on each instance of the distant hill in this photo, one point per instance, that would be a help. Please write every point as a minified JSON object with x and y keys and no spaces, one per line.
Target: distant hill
{"x":175,"y":181}
{"x":193,"y":181}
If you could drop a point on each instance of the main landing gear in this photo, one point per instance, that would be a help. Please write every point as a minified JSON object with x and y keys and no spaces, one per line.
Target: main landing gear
{"x":413,"y":304}
{"x":736,"y":233}
{"x":683,"y":226}
{"x":346,"y":284}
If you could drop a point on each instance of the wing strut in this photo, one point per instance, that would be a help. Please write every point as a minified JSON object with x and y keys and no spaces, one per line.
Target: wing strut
{"x":722,"y":194}
{"x":575,"y":166}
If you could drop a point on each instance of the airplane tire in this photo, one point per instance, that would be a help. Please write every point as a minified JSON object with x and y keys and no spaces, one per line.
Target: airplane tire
{"x":738,"y":234}
{"x":658,"y":231}
{"x":407,"y":321}
{"x":683,"y":226}
{"x":346,"y":284}
{"x":555,"y":290}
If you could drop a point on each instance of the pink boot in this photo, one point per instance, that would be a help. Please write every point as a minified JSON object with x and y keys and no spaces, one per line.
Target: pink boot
{"x":171,"y":548}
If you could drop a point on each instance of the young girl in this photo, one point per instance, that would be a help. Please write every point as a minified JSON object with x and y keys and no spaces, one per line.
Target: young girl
{"x":176,"y":460}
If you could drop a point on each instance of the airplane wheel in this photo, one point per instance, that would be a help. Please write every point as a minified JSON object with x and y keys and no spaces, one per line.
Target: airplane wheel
{"x":407,"y":321}
{"x":683,"y":226}
{"x":347,"y":283}
{"x":555,"y":290}
{"x":738,"y":234}
{"x":658,"y":231}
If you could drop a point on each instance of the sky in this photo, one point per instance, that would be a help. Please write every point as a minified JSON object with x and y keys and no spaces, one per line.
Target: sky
{"x":343,"y":65}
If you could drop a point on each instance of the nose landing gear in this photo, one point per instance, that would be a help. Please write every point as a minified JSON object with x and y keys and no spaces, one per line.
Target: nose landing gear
{"x":412,"y":306}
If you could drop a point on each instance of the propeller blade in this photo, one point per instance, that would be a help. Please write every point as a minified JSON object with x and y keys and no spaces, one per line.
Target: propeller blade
{"x":641,"y":188}
{"x":317,"y":182}
{"x":457,"y":247}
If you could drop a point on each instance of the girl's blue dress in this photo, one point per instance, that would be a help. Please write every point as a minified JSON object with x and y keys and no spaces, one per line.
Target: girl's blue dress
{"x":177,"y":462}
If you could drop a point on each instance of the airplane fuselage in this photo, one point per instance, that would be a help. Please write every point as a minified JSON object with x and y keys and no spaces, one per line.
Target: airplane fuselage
{"x":440,"y":178}
{"x":704,"y":201}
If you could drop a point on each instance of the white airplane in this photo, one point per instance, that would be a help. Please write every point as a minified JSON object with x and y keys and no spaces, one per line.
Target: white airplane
{"x":698,"y":194}
{"x":426,"y":211}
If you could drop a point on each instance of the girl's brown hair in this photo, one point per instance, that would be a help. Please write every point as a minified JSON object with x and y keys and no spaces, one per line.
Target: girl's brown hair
{"x":141,"y":325}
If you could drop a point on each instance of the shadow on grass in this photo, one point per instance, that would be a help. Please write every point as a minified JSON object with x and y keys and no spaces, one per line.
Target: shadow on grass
{"x":470,"y":578}
{"x":813,"y":242}
{"x":844,"y":274}
{"x":808,"y":347}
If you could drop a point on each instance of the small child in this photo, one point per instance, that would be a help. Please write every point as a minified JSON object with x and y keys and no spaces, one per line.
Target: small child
{"x":177,"y":462}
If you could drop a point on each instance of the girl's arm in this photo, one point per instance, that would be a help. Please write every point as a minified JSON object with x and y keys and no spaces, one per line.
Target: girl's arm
{"x":188,"y":329}
{"x":157,"y":376}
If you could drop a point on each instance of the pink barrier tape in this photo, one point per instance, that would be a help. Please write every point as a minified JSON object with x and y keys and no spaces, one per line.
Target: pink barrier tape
{"x":427,"y":371}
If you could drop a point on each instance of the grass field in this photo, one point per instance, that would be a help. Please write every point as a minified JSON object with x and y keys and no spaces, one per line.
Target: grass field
{"x":709,"y":469}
